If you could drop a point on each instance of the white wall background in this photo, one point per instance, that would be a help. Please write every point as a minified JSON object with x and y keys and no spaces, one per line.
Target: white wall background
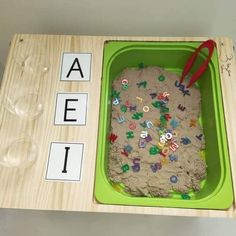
{"x":109,"y":17}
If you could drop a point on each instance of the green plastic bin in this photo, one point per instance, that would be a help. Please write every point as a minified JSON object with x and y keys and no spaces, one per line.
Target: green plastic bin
{"x":217,"y":191}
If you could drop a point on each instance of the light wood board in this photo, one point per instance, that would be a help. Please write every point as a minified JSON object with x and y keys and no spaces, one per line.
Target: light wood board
{"x":28,"y":189}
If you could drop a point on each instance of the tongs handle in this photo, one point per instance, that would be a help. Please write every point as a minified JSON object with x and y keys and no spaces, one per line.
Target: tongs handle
{"x":210,"y":44}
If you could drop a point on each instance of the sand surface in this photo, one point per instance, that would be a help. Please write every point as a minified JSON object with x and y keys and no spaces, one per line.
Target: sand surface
{"x":156,"y":138}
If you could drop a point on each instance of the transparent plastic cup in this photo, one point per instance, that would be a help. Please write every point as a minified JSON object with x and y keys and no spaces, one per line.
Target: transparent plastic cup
{"x":25,"y":105}
{"x":33,"y":59}
{"x":38,"y":63}
{"x":28,"y":106}
{"x":21,"y":153}
{"x":23,"y":98}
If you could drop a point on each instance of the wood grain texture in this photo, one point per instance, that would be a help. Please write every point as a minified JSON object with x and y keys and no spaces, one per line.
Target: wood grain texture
{"x":28,"y":189}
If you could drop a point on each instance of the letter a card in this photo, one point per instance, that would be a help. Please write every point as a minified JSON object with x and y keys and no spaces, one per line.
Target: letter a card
{"x":76,"y":66}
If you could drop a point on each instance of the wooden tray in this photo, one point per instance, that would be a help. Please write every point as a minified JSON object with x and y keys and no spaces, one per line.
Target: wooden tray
{"x":28,"y":188}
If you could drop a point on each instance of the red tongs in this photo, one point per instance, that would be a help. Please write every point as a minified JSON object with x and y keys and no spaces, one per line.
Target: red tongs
{"x":210,"y":44}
